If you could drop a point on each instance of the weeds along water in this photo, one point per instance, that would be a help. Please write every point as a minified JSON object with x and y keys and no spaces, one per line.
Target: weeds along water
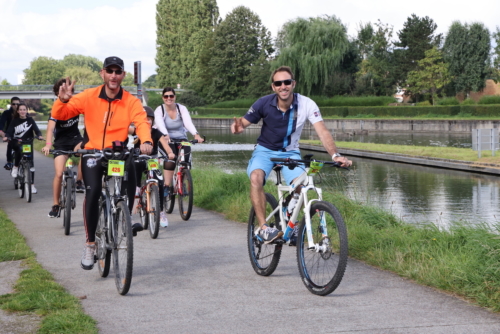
{"x":462,"y":259}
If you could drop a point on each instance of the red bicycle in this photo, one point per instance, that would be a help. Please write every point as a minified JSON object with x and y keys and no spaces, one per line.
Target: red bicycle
{"x":182,"y":183}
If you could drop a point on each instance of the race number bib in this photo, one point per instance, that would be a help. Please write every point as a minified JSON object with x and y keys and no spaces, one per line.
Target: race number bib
{"x":69,"y":163}
{"x":26,"y":148}
{"x":315,"y":167}
{"x":153,"y":164}
{"x":116,"y":168}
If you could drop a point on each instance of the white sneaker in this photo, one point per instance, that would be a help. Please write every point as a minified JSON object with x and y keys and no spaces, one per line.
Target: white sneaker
{"x":14,"y":171}
{"x":163,"y":219}
{"x":33,"y":189}
{"x":88,"y":257}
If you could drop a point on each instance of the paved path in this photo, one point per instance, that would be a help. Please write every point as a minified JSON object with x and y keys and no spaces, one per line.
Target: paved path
{"x":196,"y":278}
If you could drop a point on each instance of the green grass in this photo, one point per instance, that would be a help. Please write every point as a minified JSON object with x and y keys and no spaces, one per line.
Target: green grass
{"x":453,"y":153}
{"x":36,"y":291}
{"x":464,"y":261}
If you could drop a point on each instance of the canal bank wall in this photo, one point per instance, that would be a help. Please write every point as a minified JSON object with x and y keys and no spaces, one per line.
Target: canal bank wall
{"x":356,"y":126}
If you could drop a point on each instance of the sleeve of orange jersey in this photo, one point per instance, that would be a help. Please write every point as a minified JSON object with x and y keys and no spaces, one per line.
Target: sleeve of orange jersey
{"x":64,"y":111}
{"x":139,"y":118}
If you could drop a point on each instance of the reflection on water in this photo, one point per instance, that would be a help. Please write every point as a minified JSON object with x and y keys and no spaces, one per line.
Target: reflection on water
{"x":414,"y":193}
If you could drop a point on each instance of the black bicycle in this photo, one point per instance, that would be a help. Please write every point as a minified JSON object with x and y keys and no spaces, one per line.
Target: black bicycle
{"x":67,"y":198}
{"x":23,"y":180}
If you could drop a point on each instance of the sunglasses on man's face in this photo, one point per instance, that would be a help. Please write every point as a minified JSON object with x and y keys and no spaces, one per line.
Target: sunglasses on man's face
{"x":110,"y":71}
{"x":15,"y":104}
{"x":278,"y":83}
{"x":166,"y":96}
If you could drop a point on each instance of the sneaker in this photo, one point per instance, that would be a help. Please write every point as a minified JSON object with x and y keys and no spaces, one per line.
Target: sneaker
{"x":88,"y":258}
{"x":270,"y":234}
{"x":14,"y":171}
{"x":8,"y":166}
{"x":166,"y":191}
{"x":79,"y":186}
{"x":163,"y":219}
{"x":137,"y":192}
{"x":33,"y":189}
{"x":136,"y":227}
{"x":55,"y":212}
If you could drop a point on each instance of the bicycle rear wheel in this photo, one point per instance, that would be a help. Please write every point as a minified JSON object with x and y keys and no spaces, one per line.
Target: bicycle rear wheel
{"x":101,"y":242}
{"x":154,"y":211}
{"x":186,"y":195}
{"x":27,"y":182}
{"x":123,"y":252}
{"x":322,"y":264}
{"x":263,"y":257}
{"x":169,"y":203}
{"x":68,"y":190}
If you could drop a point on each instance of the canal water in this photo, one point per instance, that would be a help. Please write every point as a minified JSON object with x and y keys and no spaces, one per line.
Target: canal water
{"x":415,"y":194}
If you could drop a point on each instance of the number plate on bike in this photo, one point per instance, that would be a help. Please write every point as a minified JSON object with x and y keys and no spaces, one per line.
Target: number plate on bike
{"x":116,"y":168}
{"x":26,"y":148}
{"x":315,"y":167}
{"x":69,"y":163}
{"x":153,"y":164}
{"x":185,"y":143}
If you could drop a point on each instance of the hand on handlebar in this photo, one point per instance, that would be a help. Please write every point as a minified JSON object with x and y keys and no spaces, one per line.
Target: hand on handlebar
{"x":146,"y":148}
{"x":344,"y":162}
{"x":46,"y":149}
{"x":199,"y":138}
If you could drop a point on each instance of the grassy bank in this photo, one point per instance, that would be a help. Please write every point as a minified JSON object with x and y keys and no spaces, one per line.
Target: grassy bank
{"x":463,"y":261}
{"x":454,"y":153}
{"x":36,"y":291}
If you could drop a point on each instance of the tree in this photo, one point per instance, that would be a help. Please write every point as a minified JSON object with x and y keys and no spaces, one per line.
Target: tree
{"x":431,"y":74}
{"x":83,"y":75}
{"x":241,"y":47}
{"x":73,"y":60}
{"x":466,"y":50}
{"x":416,"y":37}
{"x":495,"y":69}
{"x":376,"y":71}
{"x":313,"y":48}
{"x":182,"y":28}
{"x":43,"y":71}
{"x":4,"y":83}
{"x":150,"y":82}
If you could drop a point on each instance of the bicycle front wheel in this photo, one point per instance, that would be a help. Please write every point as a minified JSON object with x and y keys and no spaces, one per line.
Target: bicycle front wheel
{"x":186,"y":195}
{"x":27,"y":182}
{"x":154,"y":211}
{"x":101,"y":242}
{"x":123,"y":252}
{"x":68,"y":191}
{"x":263,"y":257}
{"x":20,"y":181}
{"x":143,"y":212}
{"x":323,"y":263}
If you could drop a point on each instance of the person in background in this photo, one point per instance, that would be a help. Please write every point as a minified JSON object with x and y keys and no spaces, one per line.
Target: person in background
{"x":67,"y":138}
{"x":172,"y":119}
{"x":5,"y":120}
{"x":22,"y":127}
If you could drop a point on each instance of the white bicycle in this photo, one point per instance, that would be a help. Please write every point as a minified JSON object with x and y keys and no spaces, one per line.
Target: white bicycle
{"x":320,"y":237}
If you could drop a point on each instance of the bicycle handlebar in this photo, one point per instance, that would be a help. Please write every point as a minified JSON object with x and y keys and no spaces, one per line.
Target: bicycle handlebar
{"x":193,"y":141}
{"x":295,"y":162}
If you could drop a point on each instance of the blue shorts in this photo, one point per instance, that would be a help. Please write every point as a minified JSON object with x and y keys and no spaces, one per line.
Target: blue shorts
{"x":261,"y":160}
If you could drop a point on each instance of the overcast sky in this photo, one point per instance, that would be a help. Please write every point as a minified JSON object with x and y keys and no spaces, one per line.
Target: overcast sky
{"x":127,"y":28}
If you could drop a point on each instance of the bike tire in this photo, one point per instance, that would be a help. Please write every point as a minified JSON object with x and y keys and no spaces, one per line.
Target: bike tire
{"x":263,"y":257}
{"x":15,"y":183}
{"x":186,"y":196}
{"x":322,"y":270}
{"x":123,"y":250}
{"x":169,"y":201}
{"x":103,"y":254}
{"x":143,"y":214}
{"x":27,"y":183}
{"x":68,"y":191}
{"x":154,"y":211}
{"x":20,"y":181}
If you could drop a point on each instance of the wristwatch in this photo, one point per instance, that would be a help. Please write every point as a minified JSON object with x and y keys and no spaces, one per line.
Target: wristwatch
{"x":148,"y":142}
{"x":335,"y":155}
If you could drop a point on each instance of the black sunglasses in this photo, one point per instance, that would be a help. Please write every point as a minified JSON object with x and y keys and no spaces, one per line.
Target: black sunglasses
{"x":287,"y":82}
{"x":110,"y":71}
{"x":15,"y":104}
{"x":166,"y":96}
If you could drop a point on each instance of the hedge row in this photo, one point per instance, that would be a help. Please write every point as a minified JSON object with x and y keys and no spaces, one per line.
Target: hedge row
{"x":397,"y":111}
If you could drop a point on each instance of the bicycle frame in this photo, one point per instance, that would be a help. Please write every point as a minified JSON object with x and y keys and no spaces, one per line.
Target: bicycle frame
{"x":151,"y":173}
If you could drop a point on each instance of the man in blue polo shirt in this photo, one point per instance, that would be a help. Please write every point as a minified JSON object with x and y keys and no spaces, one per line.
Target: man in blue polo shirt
{"x":283,"y":115}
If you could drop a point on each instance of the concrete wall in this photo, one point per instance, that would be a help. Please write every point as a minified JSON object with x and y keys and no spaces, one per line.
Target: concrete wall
{"x":376,"y":125}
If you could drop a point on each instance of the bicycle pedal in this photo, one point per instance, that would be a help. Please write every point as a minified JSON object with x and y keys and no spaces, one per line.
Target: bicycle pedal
{"x":278,"y":241}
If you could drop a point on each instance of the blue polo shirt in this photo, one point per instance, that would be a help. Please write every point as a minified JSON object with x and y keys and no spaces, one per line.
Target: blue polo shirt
{"x":281,"y":130}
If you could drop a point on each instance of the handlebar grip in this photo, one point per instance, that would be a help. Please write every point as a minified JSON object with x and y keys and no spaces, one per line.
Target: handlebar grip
{"x":277,"y":159}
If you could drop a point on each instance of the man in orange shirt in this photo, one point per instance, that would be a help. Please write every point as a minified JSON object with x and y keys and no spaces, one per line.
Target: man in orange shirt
{"x":108,"y":111}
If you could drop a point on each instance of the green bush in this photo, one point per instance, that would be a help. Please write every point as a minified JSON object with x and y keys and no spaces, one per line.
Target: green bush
{"x":468,"y":102}
{"x":241,"y":103}
{"x":423,"y":104}
{"x":448,"y":101}
{"x":359,"y":101}
{"x":154,"y":99}
{"x":190,"y":99}
{"x":492,"y":99}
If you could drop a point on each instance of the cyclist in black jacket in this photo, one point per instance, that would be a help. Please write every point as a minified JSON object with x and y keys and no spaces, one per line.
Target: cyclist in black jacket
{"x":4,"y":124}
